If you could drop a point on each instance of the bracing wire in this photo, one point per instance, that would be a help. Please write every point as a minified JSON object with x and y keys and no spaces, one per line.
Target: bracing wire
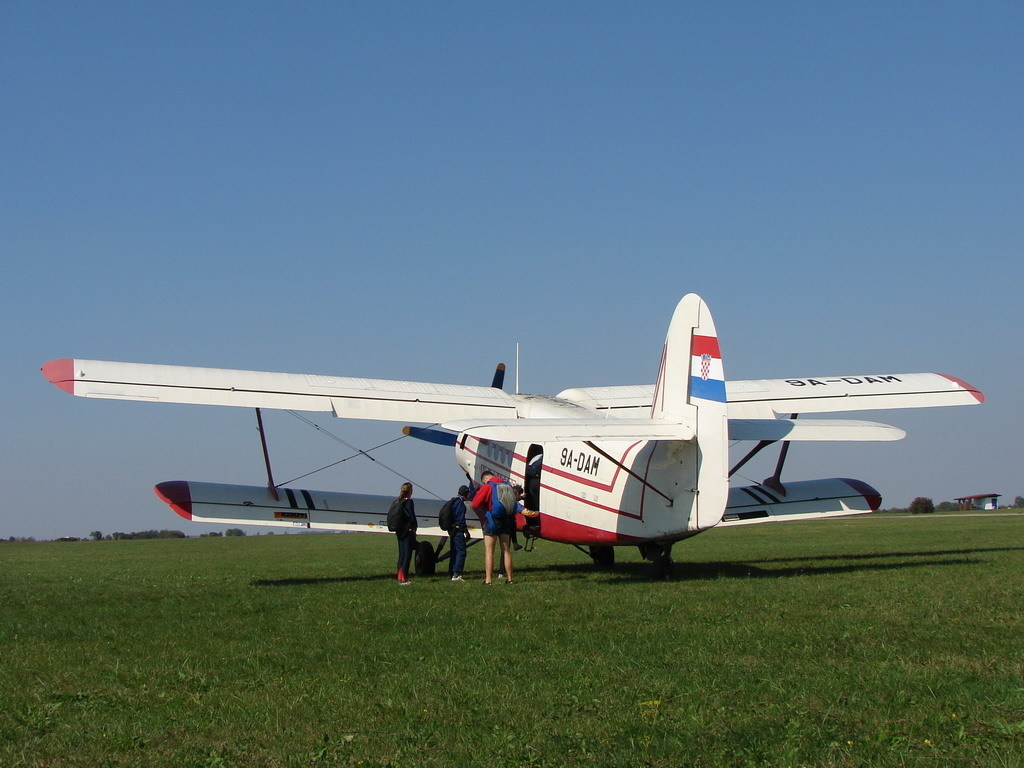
{"x":357,"y":452}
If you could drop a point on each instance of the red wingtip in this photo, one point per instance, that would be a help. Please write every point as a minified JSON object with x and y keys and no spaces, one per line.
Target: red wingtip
{"x":176,"y":494}
{"x":978,"y":394}
{"x":61,"y":373}
{"x":871,"y":496}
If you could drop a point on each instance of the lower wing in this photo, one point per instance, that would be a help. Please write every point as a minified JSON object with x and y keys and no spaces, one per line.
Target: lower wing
{"x":294,"y":508}
{"x":355,"y":512}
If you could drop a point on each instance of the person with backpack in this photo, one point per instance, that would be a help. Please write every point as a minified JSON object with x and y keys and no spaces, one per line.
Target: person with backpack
{"x":452,"y":519}
{"x":497,"y":500}
{"x":402,"y":521}
{"x":519,"y":509}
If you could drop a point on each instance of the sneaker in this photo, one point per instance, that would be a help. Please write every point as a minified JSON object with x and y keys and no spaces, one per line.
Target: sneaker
{"x":456,"y":578}
{"x":404,"y":583}
{"x":501,"y":577}
{"x":517,"y":546}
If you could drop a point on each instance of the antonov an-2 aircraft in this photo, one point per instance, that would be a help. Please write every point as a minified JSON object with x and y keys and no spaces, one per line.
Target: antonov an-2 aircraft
{"x":643,"y":465}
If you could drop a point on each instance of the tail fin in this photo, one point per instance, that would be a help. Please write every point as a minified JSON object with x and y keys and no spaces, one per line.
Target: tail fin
{"x":691,"y":385}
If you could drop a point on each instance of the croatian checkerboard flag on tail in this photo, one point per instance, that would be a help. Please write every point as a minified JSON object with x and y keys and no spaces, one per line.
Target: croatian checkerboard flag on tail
{"x":707,"y":377}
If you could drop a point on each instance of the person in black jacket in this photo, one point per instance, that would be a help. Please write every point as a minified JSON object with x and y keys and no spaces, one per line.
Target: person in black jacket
{"x":406,"y":534}
{"x":457,"y":534}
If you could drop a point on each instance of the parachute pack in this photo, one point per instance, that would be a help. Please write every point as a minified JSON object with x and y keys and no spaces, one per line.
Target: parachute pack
{"x":446,"y":518}
{"x":396,"y":515}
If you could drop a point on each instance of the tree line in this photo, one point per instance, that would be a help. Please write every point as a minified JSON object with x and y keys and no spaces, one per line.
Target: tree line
{"x":121,"y":536}
{"x":922,"y":505}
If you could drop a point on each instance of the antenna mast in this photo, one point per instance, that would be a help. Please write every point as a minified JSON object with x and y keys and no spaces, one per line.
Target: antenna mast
{"x":517,"y":367}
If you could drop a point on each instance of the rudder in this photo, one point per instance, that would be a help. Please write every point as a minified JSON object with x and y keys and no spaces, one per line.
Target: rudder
{"x":691,"y":384}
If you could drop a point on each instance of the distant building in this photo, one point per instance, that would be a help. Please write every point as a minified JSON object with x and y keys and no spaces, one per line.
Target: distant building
{"x":978,"y":501}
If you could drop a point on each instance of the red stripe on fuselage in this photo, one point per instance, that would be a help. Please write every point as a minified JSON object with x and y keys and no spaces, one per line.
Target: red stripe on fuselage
{"x":607,"y":487}
{"x":486,"y":462}
{"x":588,"y":503}
{"x":565,"y":532}
{"x":548,"y":469}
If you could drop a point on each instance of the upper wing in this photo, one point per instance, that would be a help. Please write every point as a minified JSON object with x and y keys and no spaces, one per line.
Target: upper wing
{"x":346,"y":397}
{"x":493,"y":409}
{"x":832,"y":394}
{"x":764,"y":398}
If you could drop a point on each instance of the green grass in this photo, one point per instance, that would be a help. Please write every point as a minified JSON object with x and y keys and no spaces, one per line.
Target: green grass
{"x":863,"y":642}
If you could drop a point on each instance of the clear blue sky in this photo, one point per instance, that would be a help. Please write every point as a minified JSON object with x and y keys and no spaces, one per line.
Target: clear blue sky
{"x":346,"y":188}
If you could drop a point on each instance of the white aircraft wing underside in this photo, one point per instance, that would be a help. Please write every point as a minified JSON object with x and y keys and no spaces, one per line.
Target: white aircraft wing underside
{"x":539,"y":430}
{"x":346,"y":397}
{"x":811,"y":430}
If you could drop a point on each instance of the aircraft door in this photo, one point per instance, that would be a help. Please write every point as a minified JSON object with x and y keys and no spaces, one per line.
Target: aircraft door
{"x":531,"y":486}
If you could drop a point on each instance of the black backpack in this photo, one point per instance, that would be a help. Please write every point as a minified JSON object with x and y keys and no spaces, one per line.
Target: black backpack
{"x":396,"y":516}
{"x":446,"y":518}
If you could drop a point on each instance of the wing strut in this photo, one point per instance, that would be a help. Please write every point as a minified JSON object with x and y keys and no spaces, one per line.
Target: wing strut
{"x":753,"y":452}
{"x":775,"y":481}
{"x":266,"y":456}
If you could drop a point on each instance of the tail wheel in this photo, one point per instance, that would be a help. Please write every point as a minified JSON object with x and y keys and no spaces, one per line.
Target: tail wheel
{"x":663,"y":567}
{"x":660,"y":556}
{"x":603,"y":557}
{"x":426,"y":559}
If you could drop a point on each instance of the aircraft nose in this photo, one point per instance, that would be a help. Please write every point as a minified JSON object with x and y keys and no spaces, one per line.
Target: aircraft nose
{"x":176,"y":494}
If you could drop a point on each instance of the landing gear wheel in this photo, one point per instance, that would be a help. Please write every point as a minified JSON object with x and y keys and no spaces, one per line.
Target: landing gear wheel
{"x":426,"y":560}
{"x":603,"y":557}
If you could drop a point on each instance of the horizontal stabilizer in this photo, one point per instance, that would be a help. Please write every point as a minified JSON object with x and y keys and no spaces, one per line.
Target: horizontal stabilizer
{"x":803,"y":500}
{"x":540,"y":430}
{"x":294,"y":508}
{"x":811,"y":429}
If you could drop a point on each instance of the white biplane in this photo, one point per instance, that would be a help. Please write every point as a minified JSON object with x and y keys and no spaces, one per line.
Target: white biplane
{"x":642,"y":465}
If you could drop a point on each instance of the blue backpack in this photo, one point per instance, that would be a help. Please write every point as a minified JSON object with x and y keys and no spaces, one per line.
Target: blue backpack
{"x":503,"y":502}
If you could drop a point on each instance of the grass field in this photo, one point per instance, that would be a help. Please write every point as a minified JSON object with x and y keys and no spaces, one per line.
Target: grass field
{"x":862,"y":642}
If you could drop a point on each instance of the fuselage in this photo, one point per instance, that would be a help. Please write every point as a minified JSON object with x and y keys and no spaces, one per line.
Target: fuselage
{"x":601,"y":492}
